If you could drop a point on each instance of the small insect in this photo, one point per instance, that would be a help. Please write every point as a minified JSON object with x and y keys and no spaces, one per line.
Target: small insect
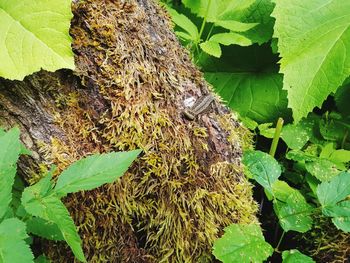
{"x":198,"y":107}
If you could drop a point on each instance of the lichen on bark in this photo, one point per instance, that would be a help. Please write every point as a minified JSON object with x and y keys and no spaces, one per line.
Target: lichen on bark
{"x":128,"y":92}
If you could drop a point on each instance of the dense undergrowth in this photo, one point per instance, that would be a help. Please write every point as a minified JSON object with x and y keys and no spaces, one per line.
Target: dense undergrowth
{"x":282,"y":66}
{"x":274,"y":62}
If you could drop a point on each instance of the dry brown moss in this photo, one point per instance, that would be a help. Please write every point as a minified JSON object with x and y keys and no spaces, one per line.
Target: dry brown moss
{"x":188,"y":185}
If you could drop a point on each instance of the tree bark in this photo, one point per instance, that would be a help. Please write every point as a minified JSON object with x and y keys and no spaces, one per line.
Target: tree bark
{"x":129,"y":90}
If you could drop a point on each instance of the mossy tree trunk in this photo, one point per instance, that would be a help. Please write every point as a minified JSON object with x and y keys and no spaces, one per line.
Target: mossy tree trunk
{"x":128,"y":91}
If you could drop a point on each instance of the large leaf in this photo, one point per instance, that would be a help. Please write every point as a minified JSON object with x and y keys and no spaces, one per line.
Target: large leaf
{"x":294,"y":256}
{"x":94,"y":171}
{"x":314,"y":43}
{"x":291,"y":208}
{"x":44,"y":228}
{"x":212,"y":46}
{"x":216,"y":10}
{"x":334,"y":128}
{"x":332,"y":196}
{"x":250,"y":17}
{"x":342,"y":98}
{"x":257,"y":96}
{"x":13,"y":248}
{"x":34,"y":34}
{"x":322,"y":169}
{"x":259,"y":12}
{"x":340,"y":214}
{"x":297,"y":135}
{"x":263,"y":168}
{"x":337,"y":189}
{"x":50,"y":208}
{"x":242,"y":243}
{"x":9,"y":153}
{"x":191,"y":32}
{"x":235,"y":26}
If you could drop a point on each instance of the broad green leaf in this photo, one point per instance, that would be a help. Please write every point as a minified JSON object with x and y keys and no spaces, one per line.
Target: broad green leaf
{"x":341,"y":156}
{"x":94,"y":171}
{"x":327,"y":150}
{"x":266,"y":130}
{"x":185,"y":23}
{"x":342,"y":223}
{"x":184,"y":36}
{"x":44,"y":228}
{"x":322,"y":169}
{"x":291,"y":208}
{"x":282,"y":190}
{"x":263,"y":167}
{"x":40,"y":201}
{"x":294,"y":256}
{"x":297,"y":135}
{"x":24,"y":150}
{"x":341,"y":209}
{"x":17,"y":190}
{"x":230,"y":39}
{"x":227,"y":13}
{"x":300,"y":156}
{"x":37,"y":192}
{"x":314,"y":43}
{"x":342,"y":98}
{"x":340,"y":214}
{"x":235,"y":26}
{"x":249,"y":123}
{"x":337,"y":189}
{"x":51,"y":208}
{"x":34,"y":34}
{"x":257,"y":96}
{"x":9,"y":153}
{"x":259,"y":12}
{"x":312,"y":150}
{"x":332,"y":196}
{"x":211,"y":48}
{"x":251,"y":17}
{"x":334,"y":129}
{"x":242,"y":243}
{"x":13,"y":248}
{"x":219,"y":9}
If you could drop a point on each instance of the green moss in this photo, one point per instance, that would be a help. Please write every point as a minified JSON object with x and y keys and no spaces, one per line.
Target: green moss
{"x":177,"y":198}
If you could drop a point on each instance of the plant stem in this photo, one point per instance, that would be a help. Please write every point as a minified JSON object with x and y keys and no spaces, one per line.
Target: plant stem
{"x":344,"y":139}
{"x":279,"y":242}
{"x":201,"y":32}
{"x":209,"y":34}
{"x":276,"y":137}
{"x":203,"y":23}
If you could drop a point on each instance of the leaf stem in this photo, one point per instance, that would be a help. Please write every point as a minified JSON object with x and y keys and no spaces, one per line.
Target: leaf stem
{"x":279,"y":242}
{"x":210,"y":31}
{"x":344,"y":139}
{"x":276,"y":137}
{"x":203,"y":23}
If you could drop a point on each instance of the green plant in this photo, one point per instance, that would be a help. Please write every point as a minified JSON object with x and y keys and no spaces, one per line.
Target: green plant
{"x":38,"y":209}
{"x":227,"y":22}
{"x":34,"y":34}
{"x":313,"y":41}
{"x":315,"y":165}
{"x":314,"y":64}
{"x":242,"y":243}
